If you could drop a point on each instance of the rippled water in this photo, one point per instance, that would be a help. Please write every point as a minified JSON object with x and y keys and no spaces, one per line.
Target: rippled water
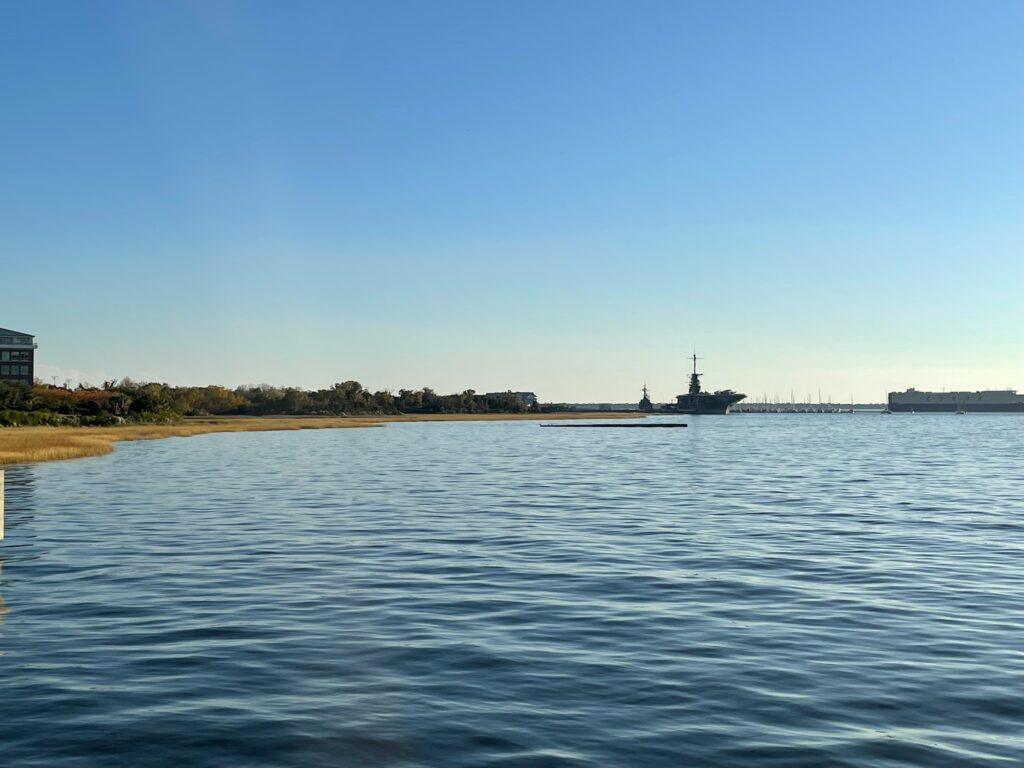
{"x":837,"y":590}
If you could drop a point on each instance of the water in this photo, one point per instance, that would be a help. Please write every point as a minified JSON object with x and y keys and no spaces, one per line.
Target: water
{"x":840,"y":590}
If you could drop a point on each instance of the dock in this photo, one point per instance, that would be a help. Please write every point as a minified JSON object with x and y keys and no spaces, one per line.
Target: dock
{"x":674,"y":425}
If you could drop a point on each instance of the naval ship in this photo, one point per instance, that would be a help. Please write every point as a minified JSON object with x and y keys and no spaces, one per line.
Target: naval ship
{"x":645,"y":402}
{"x":696,"y":401}
{"x":1005,"y":400}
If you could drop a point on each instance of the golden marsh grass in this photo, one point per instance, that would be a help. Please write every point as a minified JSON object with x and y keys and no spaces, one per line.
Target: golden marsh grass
{"x":21,"y":445}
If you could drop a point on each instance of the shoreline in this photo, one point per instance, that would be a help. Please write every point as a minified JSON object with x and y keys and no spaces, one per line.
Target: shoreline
{"x":30,"y":445}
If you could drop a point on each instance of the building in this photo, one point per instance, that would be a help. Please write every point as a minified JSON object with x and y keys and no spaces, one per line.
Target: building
{"x":527,"y":397}
{"x":957,"y":402}
{"x":17,"y":357}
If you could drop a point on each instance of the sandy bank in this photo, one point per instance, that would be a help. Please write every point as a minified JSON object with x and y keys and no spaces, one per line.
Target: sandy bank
{"x":21,"y":445}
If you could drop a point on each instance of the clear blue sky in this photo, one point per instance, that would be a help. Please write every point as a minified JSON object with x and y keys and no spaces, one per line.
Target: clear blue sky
{"x":566,"y":197}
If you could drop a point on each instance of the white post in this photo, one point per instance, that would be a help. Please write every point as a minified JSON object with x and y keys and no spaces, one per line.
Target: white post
{"x":1,"y":505}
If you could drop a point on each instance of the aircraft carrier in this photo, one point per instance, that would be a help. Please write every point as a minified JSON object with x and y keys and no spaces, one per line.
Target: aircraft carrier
{"x":988,"y":400}
{"x":695,"y":401}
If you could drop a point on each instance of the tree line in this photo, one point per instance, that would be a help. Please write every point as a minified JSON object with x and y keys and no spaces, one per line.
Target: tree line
{"x":128,"y":401}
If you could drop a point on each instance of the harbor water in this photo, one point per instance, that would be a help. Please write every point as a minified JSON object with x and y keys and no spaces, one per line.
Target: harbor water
{"x":754,"y":590}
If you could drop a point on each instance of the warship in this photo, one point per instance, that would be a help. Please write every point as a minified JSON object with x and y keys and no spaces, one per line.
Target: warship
{"x":695,"y":401}
{"x":645,"y":402}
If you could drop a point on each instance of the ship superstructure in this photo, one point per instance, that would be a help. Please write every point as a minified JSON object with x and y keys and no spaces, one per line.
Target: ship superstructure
{"x":992,"y":400}
{"x":645,"y":402}
{"x":696,"y":401}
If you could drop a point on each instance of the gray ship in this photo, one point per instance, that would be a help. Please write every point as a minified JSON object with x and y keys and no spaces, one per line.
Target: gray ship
{"x":696,"y":401}
{"x":989,"y":400}
{"x":645,"y":402}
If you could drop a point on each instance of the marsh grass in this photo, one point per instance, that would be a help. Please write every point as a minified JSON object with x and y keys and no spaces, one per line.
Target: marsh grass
{"x":29,"y":444}
{"x":21,"y":445}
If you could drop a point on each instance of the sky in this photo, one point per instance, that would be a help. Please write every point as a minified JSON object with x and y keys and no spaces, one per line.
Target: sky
{"x":565,"y":197}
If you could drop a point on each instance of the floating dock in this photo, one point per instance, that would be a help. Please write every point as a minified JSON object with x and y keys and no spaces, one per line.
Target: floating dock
{"x":674,"y":425}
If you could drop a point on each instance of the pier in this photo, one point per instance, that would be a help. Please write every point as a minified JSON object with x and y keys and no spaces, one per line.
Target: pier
{"x":675,"y":425}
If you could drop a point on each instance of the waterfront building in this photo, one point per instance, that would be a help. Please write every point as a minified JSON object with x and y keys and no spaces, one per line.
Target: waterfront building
{"x":17,"y":357}
{"x":953,"y":402}
{"x":527,"y":397}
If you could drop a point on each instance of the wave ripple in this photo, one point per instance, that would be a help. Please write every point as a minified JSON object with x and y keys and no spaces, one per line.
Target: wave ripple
{"x":753,"y":591}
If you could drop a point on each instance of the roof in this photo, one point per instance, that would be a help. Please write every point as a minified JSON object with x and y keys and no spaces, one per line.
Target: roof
{"x":9,"y":332}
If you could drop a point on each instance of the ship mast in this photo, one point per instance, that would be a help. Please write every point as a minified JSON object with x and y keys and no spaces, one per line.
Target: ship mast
{"x":645,"y":403}
{"x":695,"y":377}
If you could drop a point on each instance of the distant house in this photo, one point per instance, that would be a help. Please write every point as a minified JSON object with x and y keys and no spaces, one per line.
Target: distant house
{"x":527,"y":397}
{"x":17,"y":357}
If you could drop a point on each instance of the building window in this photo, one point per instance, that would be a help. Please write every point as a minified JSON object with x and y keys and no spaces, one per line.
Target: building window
{"x":5,"y":356}
{"x":5,"y":370}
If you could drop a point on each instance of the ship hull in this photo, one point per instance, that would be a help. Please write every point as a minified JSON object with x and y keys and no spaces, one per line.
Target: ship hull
{"x":705,"y":404}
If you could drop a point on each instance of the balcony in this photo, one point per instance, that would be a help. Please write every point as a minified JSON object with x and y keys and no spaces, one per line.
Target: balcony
{"x":18,"y":342}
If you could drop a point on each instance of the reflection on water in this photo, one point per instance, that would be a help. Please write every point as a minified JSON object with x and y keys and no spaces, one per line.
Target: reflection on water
{"x":19,"y":495}
{"x":751,"y":591}
{"x":3,"y":607}
{"x":19,"y":506}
